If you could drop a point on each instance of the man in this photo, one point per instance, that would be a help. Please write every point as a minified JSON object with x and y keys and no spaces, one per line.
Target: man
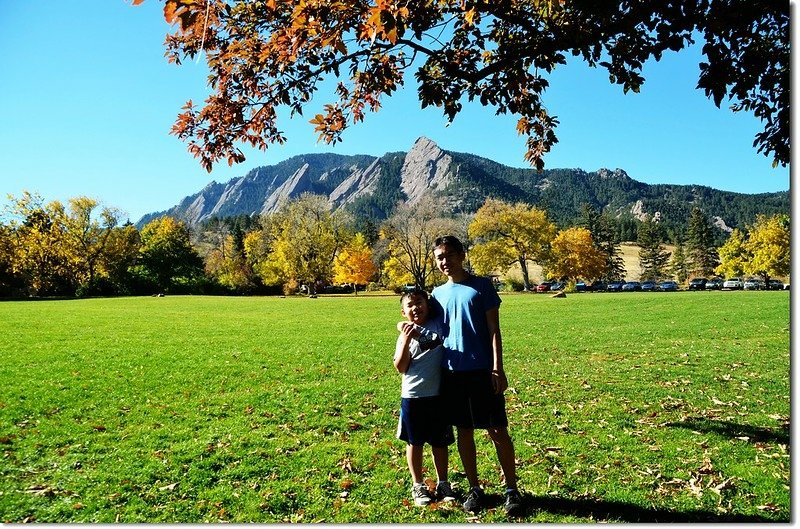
{"x":473,"y":380}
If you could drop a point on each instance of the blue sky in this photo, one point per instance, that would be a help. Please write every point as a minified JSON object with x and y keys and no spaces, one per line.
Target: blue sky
{"x":88,"y":100}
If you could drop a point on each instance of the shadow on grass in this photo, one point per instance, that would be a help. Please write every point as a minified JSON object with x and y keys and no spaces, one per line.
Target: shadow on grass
{"x":616,"y":511}
{"x":755,"y":434}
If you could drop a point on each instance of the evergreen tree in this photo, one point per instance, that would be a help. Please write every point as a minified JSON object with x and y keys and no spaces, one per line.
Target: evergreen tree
{"x":626,"y":229}
{"x":603,"y":229}
{"x":237,"y":235}
{"x":701,"y":253}
{"x":653,"y":258}
{"x":679,"y":265}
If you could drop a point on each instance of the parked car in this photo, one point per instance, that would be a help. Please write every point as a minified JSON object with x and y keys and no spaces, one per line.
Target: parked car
{"x":598,"y":286}
{"x":752,"y":284}
{"x":668,"y":286}
{"x":649,"y":286}
{"x":775,"y":284}
{"x":714,"y":284}
{"x":615,"y":286}
{"x":631,"y":286}
{"x":544,"y":287}
{"x":733,"y":283}
{"x":558,"y":285}
{"x":698,"y":283}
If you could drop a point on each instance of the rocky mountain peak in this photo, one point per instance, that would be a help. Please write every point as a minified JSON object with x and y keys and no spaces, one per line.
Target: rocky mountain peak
{"x":606,"y":174}
{"x":426,"y":167}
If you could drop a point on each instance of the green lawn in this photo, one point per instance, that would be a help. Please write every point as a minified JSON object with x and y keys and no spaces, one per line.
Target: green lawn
{"x":633,"y":407}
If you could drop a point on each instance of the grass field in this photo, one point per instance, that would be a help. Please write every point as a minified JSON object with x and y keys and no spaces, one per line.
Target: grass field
{"x":639,"y":407}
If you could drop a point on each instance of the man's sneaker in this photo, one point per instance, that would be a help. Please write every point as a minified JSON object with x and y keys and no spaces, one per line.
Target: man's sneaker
{"x":513,"y":504}
{"x":444,"y":492}
{"x":421,"y":495}
{"x":474,"y":501}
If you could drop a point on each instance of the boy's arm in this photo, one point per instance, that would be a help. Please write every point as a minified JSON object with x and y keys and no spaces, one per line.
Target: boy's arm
{"x":499,"y":380}
{"x":402,"y":356}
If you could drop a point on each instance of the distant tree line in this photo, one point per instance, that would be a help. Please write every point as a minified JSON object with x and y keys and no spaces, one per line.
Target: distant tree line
{"x":83,"y":249}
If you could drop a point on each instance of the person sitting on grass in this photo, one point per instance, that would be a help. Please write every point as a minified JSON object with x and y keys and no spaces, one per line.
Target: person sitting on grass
{"x":418,"y":356}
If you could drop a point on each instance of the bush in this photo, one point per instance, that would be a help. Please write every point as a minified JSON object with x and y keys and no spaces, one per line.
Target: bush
{"x":99,"y":286}
{"x":512,"y":285}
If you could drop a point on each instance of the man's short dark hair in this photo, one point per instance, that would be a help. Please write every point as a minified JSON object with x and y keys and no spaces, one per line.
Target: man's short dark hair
{"x":451,"y":241}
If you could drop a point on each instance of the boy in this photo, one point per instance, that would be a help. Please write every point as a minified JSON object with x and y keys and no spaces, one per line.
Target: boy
{"x":418,"y":356}
{"x":473,"y":380}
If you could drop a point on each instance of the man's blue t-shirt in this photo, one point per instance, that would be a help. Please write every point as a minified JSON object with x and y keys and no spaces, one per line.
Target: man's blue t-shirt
{"x":468,"y":345}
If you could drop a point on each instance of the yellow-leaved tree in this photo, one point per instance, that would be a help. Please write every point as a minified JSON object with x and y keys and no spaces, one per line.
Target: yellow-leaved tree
{"x":299,"y":243}
{"x":230,"y":269}
{"x":507,"y":234}
{"x":733,"y":255}
{"x":87,"y":236}
{"x":167,"y":258}
{"x":768,"y":247}
{"x":353,"y":264}
{"x":258,"y":246}
{"x":574,"y":255}
{"x":37,"y":247}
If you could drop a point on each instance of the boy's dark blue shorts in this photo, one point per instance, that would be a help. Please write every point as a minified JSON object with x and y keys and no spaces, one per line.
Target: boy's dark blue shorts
{"x":422,"y":420}
{"x":470,"y":401}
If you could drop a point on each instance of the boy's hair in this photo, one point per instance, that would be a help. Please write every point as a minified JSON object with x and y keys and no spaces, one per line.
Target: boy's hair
{"x":451,"y":241}
{"x":412,"y":293}
{"x":422,"y":293}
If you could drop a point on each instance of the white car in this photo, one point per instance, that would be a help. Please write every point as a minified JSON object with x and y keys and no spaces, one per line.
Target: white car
{"x":734,"y":283}
{"x":752,"y":284}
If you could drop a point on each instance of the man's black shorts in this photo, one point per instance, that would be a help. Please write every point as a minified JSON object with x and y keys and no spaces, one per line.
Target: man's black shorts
{"x":470,"y":400}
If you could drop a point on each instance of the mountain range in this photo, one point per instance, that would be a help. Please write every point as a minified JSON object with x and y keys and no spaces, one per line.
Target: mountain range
{"x":371,"y":187}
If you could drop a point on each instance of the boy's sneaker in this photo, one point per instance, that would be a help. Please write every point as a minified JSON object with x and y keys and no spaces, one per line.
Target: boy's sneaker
{"x":444,"y":492}
{"x":513,"y":504}
{"x":475,"y":500}
{"x":421,"y":495}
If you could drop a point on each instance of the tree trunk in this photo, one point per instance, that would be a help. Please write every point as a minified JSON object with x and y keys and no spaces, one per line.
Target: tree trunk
{"x":523,"y":265}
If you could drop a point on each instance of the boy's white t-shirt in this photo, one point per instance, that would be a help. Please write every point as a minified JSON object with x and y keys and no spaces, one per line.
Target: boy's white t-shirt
{"x":423,"y":376}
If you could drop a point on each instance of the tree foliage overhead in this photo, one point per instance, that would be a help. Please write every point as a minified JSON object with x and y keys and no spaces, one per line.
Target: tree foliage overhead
{"x":265,"y":55}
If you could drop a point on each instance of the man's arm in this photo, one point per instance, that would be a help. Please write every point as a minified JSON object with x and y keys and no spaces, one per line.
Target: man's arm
{"x":499,"y":380}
